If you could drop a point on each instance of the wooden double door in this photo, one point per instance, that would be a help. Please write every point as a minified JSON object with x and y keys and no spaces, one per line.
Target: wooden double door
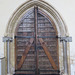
{"x":36,"y":45}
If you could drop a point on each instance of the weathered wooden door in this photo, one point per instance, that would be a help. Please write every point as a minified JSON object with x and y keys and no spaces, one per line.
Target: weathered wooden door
{"x":36,"y":46}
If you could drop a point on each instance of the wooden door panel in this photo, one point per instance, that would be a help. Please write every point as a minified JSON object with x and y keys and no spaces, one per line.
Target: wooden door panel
{"x":48,"y":58}
{"x":48,"y":53}
{"x":25,"y":53}
{"x":36,"y":45}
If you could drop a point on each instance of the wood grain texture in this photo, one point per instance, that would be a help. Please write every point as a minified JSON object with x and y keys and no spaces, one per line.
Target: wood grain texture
{"x":48,"y":53}
{"x":25,"y":53}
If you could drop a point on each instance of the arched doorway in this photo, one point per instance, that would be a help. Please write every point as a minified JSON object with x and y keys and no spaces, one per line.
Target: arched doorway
{"x":36,"y":44}
{"x":58,"y":28}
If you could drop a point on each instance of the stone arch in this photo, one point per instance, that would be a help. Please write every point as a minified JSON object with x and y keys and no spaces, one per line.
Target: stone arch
{"x":46,"y":7}
{"x":60,"y":26}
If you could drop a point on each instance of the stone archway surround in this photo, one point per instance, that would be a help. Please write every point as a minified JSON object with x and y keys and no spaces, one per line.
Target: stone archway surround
{"x":12,"y":24}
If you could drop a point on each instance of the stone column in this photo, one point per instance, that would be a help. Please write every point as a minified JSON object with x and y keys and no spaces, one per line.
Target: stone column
{"x":65,"y":59}
{"x":8,"y":40}
{"x":65,"y":63}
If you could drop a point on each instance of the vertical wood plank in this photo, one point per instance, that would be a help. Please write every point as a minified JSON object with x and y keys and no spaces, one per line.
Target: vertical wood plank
{"x":35,"y":25}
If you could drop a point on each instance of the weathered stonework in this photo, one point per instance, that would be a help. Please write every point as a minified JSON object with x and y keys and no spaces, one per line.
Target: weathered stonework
{"x":60,"y":27}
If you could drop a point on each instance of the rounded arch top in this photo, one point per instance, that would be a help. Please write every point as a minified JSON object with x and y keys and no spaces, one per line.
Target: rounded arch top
{"x":60,"y":25}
